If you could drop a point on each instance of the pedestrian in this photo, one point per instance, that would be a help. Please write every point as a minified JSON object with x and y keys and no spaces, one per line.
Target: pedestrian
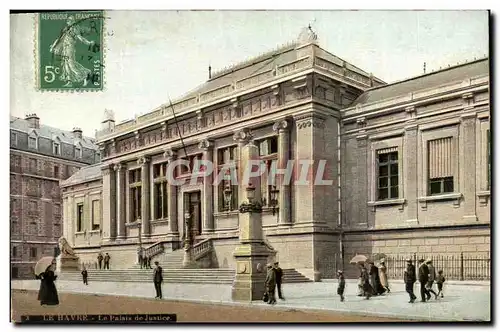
{"x":382,"y":272}
{"x":360,"y":280}
{"x":106,"y":261}
{"x":139,"y":256}
{"x":375,"y":280}
{"x":432,"y":277}
{"x":149,"y":262}
{"x":99,"y":260}
{"x":47,"y":295}
{"x":423,"y":278}
{"x":271,"y":284}
{"x":341,"y":287}
{"x":158,"y":279}
{"x":440,"y":281}
{"x":279,"y":278}
{"x":410,"y":279}
{"x":85,"y":276}
{"x":367,"y":288}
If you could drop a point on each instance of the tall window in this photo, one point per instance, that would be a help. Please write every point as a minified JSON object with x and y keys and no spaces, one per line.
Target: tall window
{"x":268,"y":151}
{"x":32,"y":143}
{"x":33,"y":252}
{"x":489,"y":158}
{"x":135,"y":185}
{"x":226,"y":157}
{"x":33,"y":165}
{"x":160,"y":191}
{"x":13,"y":139}
{"x":79,"y":217}
{"x":387,"y":174}
{"x":193,"y":160}
{"x":96,"y":215}
{"x":56,"y":171}
{"x":57,"y":148}
{"x":440,"y":166}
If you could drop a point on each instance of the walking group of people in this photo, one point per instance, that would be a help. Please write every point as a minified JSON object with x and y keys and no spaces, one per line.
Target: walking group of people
{"x":144,"y":260}
{"x":426,"y":276}
{"x":274,"y":280}
{"x":106,"y":259}
{"x":373,"y":280}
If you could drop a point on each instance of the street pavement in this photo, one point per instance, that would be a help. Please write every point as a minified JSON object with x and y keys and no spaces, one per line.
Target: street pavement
{"x":461,"y":302}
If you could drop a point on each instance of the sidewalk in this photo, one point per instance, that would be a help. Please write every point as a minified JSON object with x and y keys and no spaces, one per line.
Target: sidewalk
{"x":461,"y":303}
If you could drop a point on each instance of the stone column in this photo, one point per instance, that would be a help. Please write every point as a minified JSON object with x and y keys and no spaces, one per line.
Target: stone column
{"x":242,"y":136}
{"x":468,"y":165}
{"x":361,"y":180}
{"x":411,"y":172}
{"x":120,"y":171}
{"x":207,"y":203}
{"x":173,"y":223}
{"x":251,"y":254}
{"x":108,"y":200}
{"x":145,"y":206}
{"x":283,"y":129}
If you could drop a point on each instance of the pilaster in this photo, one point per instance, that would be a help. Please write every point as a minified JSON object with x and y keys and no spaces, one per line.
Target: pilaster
{"x":108,"y":199}
{"x":468,"y":164}
{"x":120,"y":172}
{"x":207,"y":204}
{"x":410,"y":157}
{"x":283,"y":129}
{"x":173,"y":223}
{"x":145,"y":187}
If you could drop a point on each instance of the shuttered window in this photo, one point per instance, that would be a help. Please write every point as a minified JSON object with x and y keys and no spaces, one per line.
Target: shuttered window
{"x":440,"y":166}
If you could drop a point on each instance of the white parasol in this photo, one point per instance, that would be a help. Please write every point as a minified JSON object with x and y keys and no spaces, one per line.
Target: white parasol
{"x":42,"y":265}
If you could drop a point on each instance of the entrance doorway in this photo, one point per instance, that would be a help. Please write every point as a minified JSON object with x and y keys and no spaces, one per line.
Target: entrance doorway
{"x":192,"y":203}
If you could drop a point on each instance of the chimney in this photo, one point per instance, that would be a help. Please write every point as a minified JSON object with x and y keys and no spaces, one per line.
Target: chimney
{"x":33,"y":121}
{"x":209,"y":72}
{"x":77,"y":132}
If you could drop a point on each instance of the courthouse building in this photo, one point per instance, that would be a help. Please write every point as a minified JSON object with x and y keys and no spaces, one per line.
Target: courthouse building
{"x":409,"y":163}
{"x":40,"y":156}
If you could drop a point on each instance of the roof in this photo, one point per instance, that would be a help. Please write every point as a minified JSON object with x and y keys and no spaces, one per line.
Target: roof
{"x":426,"y":81}
{"x":85,"y":174}
{"x":51,"y":133}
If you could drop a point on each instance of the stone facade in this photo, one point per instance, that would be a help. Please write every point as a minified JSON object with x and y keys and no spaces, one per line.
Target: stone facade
{"x":35,"y":197}
{"x":309,"y":105}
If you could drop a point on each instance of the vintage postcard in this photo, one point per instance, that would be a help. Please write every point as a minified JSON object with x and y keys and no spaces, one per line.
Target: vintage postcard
{"x":207,"y":166}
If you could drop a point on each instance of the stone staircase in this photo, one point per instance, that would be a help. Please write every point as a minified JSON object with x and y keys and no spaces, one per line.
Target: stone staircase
{"x":174,"y":275}
{"x":167,"y":260}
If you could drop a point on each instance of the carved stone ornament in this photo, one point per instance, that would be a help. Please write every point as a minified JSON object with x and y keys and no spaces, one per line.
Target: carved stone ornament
{"x":65,"y":248}
{"x":117,"y":167}
{"x":281,"y":126}
{"x":142,"y":160}
{"x":205,"y":144}
{"x":169,"y":154}
{"x":243,"y":136}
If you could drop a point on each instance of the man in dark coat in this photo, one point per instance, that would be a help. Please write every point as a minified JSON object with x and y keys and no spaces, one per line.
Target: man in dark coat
{"x":158,"y":279}
{"x":365,"y":282}
{"x":139,"y":256}
{"x":432,"y":277}
{"x":271,"y":284}
{"x":279,"y":278}
{"x":99,"y":260}
{"x":410,"y":278}
{"x":423,"y":278}
{"x":48,"y":292}
{"x":106,"y":261}
{"x":85,"y":276}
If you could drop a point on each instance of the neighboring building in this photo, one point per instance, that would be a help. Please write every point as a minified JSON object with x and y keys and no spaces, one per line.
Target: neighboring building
{"x":40,"y":156}
{"x":298,"y":102}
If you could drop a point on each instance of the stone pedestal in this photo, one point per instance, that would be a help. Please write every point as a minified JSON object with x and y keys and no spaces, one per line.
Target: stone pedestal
{"x":67,"y":263}
{"x":188,"y":260}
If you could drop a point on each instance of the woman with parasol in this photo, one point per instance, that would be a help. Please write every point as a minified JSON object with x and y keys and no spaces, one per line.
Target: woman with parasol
{"x":44,"y":270}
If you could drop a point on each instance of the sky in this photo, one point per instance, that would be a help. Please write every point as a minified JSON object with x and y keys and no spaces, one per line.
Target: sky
{"x":154,"y":55}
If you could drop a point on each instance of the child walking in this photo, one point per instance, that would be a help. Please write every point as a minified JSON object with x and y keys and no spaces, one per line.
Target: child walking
{"x":341,"y":288}
{"x":440,"y":281}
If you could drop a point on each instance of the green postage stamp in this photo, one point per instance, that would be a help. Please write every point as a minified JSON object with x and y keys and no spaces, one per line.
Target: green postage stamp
{"x":69,"y":51}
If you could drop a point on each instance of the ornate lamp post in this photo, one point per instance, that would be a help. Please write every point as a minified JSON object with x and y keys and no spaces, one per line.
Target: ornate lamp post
{"x":250,"y":206}
{"x":274,"y":199}
{"x":187,"y":262}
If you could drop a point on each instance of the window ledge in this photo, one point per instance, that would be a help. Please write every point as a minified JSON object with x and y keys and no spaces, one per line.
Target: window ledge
{"x":483,"y":197}
{"x":79,"y":233}
{"x":444,"y":197}
{"x":95,"y":231}
{"x":387,"y":202}
{"x":455,"y":197}
{"x":132,"y":224}
{"x":226,"y":213}
{"x":484,"y":193}
{"x":159,"y":221}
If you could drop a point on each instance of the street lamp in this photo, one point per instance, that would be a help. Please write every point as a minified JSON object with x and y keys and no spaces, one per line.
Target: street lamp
{"x":251,"y":206}
{"x":274,"y":199}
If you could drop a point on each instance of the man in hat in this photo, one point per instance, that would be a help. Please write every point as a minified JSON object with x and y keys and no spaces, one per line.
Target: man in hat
{"x":423,"y":278}
{"x":158,"y":279}
{"x":279,"y":277}
{"x":271,"y":284}
{"x":341,"y":287}
{"x":432,"y":277}
{"x":99,"y":260}
{"x":410,"y":278}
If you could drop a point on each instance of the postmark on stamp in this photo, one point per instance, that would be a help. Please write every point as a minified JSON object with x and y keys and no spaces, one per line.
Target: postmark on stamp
{"x":69,"y":51}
